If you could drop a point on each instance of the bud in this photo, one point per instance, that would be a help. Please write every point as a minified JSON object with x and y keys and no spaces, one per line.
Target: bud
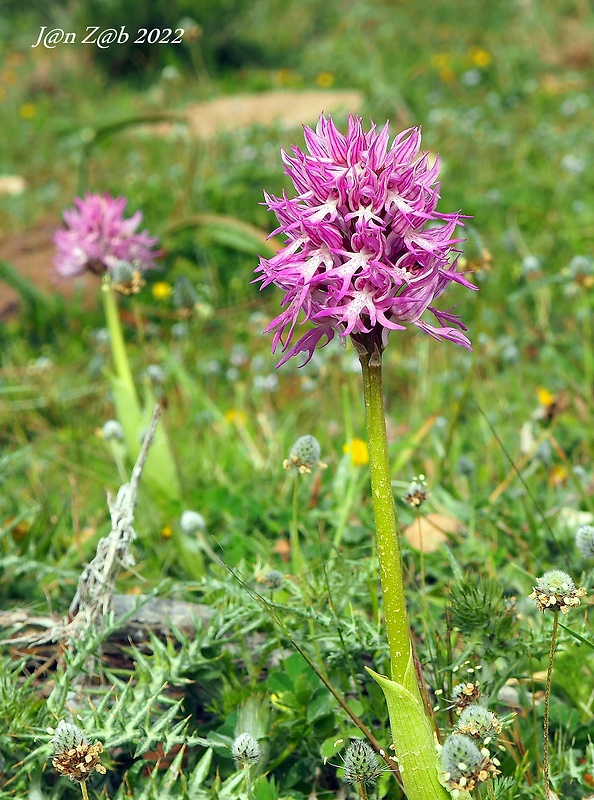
{"x":464,"y":764}
{"x":155,"y":373}
{"x":74,"y":755}
{"x":112,"y":431}
{"x":273,"y":579}
{"x":304,"y":455}
{"x":556,"y":592}
{"x":185,"y":296}
{"x":464,"y":694}
{"x":361,"y":765}
{"x":245,"y":750}
{"x":192,"y":522}
{"x":479,"y":723}
{"x":417,"y":492}
{"x":584,"y":540}
{"x":126,"y":278}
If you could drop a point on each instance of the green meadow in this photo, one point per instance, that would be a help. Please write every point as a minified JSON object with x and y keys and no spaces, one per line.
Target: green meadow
{"x":504,"y":435}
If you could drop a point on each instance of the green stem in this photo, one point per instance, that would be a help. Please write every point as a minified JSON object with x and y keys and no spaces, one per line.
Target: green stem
{"x":547,"y":702}
{"x":296,"y":559}
{"x":84,"y":790}
{"x":116,"y":339}
{"x":362,"y":790}
{"x":248,"y":782}
{"x":412,"y":730}
{"x":347,"y":505}
{"x":588,"y":355}
{"x":384,"y":513}
{"x":122,"y":383}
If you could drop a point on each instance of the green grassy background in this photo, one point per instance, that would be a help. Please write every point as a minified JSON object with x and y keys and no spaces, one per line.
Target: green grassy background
{"x":503,"y":93}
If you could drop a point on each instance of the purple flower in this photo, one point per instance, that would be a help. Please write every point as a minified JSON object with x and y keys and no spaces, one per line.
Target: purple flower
{"x":97,"y":237}
{"x":366,"y":251}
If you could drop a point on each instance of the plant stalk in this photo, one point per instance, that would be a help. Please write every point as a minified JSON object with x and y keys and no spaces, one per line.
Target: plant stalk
{"x":386,"y":528}
{"x":116,"y":339}
{"x":412,"y":730}
{"x":547,"y":703}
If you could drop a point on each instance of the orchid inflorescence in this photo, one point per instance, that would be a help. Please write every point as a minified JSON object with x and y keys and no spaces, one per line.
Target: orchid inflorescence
{"x":365,"y":245}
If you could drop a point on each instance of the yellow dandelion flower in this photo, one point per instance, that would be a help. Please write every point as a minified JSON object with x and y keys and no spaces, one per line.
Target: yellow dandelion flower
{"x":545,"y":398}
{"x":479,"y":57}
{"x":441,"y":60}
{"x":325,"y":80}
{"x":161,"y":290}
{"x":358,"y":450}
{"x":27,"y":111}
{"x":558,"y":475}
{"x":167,"y":532}
{"x":235,"y":417}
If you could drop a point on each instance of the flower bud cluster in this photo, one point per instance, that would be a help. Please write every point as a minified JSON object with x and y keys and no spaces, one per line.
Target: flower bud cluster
{"x":74,"y":755}
{"x":465,"y":763}
{"x":361,"y":766}
{"x":556,"y":591}
{"x":305,"y":455}
{"x":466,"y":760}
{"x":464,"y":694}
{"x":478,"y":723}
{"x":417,"y":492}
{"x":246,"y":751}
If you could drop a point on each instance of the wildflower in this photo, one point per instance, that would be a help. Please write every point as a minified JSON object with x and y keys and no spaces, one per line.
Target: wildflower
{"x":192,"y":521}
{"x":361,"y":765}
{"x":358,"y":450}
{"x":112,"y":431}
{"x":235,"y":417}
{"x":479,"y":57}
{"x":74,"y":755}
{"x":305,"y":455}
{"x":97,"y":237}
{"x":27,"y":111}
{"x":584,"y":540}
{"x":366,"y":250}
{"x":417,"y":492}
{"x":161,"y":291}
{"x":126,"y":278}
{"x":273,"y":579}
{"x":545,"y":397}
{"x":478,"y":722}
{"x":185,"y":296}
{"x":245,"y":750}
{"x":556,"y":591}
{"x":465,"y":764}
{"x":464,"y":694}
{"x":155,"y":373}
{"x":325,"y":80}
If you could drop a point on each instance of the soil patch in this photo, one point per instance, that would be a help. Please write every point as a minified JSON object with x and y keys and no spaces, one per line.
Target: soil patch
{"x":289,"y":109}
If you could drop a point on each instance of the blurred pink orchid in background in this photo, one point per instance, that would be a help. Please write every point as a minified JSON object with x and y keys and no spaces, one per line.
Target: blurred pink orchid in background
{"x":97,"y":238}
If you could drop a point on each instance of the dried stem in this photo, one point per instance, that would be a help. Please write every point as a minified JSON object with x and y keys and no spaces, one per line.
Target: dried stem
{"x":547,"y":703}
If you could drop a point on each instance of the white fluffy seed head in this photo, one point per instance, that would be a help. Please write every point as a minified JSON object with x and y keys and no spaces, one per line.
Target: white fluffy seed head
{"x":460,"y":756}
{"x":584,"y":540}
{"x":246,"y":750}
{"x":67,"y":736}
{"x":192,"y":521}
